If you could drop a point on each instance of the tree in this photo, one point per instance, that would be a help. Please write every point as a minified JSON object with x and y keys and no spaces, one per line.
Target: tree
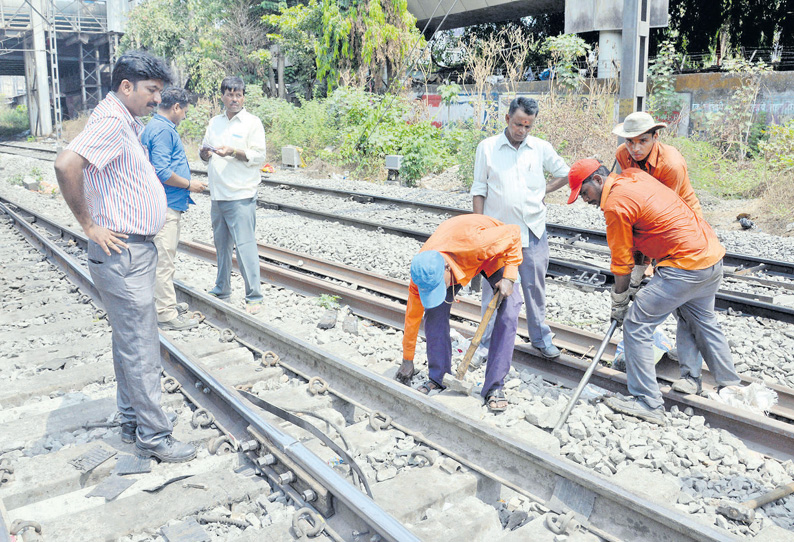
{"x":749,"y":23}
{"x":365,"y":42}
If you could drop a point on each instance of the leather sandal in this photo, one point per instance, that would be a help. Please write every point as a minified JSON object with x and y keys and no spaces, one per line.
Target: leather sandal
{"x":493,"y":400}
{"x":428,"y":386}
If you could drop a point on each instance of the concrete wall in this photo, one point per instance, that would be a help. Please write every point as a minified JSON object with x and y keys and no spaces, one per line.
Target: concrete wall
{"x":710,"y":91}
{"x":702,"y":92}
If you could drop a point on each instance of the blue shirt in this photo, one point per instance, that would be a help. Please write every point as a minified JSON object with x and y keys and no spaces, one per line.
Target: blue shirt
{"x":167,"y":155}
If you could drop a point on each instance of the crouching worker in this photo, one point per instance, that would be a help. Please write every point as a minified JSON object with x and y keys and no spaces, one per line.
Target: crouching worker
{"x":644,"y":215}
{"x":459,"y":249}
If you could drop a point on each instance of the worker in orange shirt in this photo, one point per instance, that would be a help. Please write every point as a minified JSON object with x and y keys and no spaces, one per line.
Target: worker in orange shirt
{"x":643,"y":215}
{"x":461,"y":248}
{"x":664,"y":163}
{"x":642,"y":150}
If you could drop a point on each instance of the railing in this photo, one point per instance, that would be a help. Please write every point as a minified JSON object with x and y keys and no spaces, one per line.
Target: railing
{"x":80,"y":22}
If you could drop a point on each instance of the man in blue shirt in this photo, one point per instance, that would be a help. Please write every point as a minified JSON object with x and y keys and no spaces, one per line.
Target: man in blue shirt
{"x":167,"y":155}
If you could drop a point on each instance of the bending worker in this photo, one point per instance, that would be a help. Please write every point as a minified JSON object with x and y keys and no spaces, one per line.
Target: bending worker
{"x":643,"y":150}
{"x":640,"y":212}
{"x":459,"y":249}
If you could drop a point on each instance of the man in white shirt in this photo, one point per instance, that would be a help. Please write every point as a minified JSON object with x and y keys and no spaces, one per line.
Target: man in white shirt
{"x":509,"y":185}
{"x":234,"y":147}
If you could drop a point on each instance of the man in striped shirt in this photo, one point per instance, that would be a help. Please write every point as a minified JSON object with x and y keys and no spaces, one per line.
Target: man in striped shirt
{"x":113,"y":191}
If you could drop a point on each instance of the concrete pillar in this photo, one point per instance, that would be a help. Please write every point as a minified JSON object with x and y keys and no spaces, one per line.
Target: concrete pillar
{"x":634,"y":68}
{"x":610,"y":49}
{"x":42,"y":125}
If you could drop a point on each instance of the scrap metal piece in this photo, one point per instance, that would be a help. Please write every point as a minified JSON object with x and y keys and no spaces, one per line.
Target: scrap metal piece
{"x":111,"y":487}
{"x":133,"y":464}
{"x":92,"y":459}
{"x":187,"y":531}
{"x":168,"y":482}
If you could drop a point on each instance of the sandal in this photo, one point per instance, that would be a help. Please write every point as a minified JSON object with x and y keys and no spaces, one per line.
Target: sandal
{"x":496,"y":400}
{"x":428,"y":386}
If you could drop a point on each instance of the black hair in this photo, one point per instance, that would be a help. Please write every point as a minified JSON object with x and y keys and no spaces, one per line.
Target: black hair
{"x":174,"y":95}
{"x":602,"y":170}
{"x":232,"y":83}
{"x":137,"y":66}
{"x":528,"y":105}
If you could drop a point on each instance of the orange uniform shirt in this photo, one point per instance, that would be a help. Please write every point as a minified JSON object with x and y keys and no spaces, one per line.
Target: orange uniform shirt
{"x":469,"y":244}
{"x":666,"y":165}
{"x":644,"y":215}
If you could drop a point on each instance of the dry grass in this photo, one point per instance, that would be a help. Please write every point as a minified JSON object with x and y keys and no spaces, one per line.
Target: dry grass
{"x":778,"y":200}
{"x":72,"y":127}
{"x":580,"y":125}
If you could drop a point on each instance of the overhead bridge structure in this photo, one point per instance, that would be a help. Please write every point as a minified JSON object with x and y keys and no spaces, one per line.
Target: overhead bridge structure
{"x":64,"y":49}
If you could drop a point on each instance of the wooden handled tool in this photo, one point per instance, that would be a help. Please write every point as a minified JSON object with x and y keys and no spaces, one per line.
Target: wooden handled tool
{"x":457,"y":384}
{"x":745,"y":511}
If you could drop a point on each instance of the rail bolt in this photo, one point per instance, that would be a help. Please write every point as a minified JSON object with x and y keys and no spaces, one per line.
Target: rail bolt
{"x":379,"y":421}
{"x":286,"y":477}
{"x":309,"y":495}
{"x":227,"y":335}
{"x":270,"y":359}
{"x":317,"y":386}
{"x":201,"y":418}
{"x":307,"y":522}
{"x":171,"y":385}
{"x":266,"y":460}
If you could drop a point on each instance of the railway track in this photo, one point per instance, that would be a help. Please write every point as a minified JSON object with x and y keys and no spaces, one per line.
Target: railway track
{"x":757,"y":280}
{"x":482,"y":464}
{"x":382,"y":299}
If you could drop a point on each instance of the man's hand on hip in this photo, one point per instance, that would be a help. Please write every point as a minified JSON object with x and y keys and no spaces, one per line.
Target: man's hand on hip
{"x":106,"y":239}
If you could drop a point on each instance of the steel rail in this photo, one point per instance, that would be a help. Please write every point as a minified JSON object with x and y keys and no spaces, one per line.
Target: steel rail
{"x":503,"y":455}
{"x":364,"y":507}
{"x":766,"y":435}
{"x":513,"y":459}
{"x":557,"y":266}
{"x":731,"y":259}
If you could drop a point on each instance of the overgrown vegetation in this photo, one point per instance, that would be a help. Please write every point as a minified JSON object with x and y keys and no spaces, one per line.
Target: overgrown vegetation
{"x":13,"y":120}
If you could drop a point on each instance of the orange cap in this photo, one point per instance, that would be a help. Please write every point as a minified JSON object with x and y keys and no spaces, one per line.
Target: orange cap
{"x":580,"y":171}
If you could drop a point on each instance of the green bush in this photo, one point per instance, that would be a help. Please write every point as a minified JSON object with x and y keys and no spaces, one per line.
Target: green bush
{"x":710,"y":170}
{"x":13,"y":120}
{"x":778,"y":148}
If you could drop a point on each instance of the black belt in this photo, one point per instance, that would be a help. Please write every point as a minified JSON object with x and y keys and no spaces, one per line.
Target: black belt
{"x":138,"y":238}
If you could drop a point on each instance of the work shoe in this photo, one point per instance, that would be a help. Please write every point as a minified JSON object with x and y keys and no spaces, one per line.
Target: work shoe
{"x":688,"y":384}
{"x":128,"y":429}
{"x":181,"y":308}
{"x":180,"y":323}
{"x":169,"y":450}
{"x":549,"y":352}
{"x":638,"y":408}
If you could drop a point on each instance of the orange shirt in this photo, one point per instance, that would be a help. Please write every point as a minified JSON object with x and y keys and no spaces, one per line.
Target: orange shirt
{"x":644,"y":215}
{"x":469,"y":244}
{"x":666,"y":165}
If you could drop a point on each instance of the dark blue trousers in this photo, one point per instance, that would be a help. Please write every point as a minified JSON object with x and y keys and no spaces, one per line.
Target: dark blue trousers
{"x":500,"y":353}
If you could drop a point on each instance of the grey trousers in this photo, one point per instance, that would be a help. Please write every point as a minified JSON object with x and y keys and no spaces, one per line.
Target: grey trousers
{"x":126,"y":285}
{"x":533,"y":285}
{"x":691,"y":295}
{"x":234,"y":226}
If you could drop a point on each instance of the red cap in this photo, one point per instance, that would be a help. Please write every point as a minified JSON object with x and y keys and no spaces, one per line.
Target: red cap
{"x":580,"y":171}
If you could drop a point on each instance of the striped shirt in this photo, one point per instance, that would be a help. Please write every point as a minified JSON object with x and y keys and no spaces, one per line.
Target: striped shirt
{"x":122,"y":190}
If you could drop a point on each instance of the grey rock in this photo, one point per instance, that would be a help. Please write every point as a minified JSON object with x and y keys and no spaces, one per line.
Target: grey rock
{"x":327,"y":320}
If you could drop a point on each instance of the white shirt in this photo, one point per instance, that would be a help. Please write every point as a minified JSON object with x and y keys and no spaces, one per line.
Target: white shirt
{"x":512,"y":181}
{"x":230,"y":178}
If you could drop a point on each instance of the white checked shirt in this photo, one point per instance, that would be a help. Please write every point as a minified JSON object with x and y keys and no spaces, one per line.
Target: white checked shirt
{"x":512,"y":181}
{"x":230,"y":178}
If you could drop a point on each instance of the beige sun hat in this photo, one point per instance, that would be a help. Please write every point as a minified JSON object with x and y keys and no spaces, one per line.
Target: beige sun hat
{"x":637,"y":124}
